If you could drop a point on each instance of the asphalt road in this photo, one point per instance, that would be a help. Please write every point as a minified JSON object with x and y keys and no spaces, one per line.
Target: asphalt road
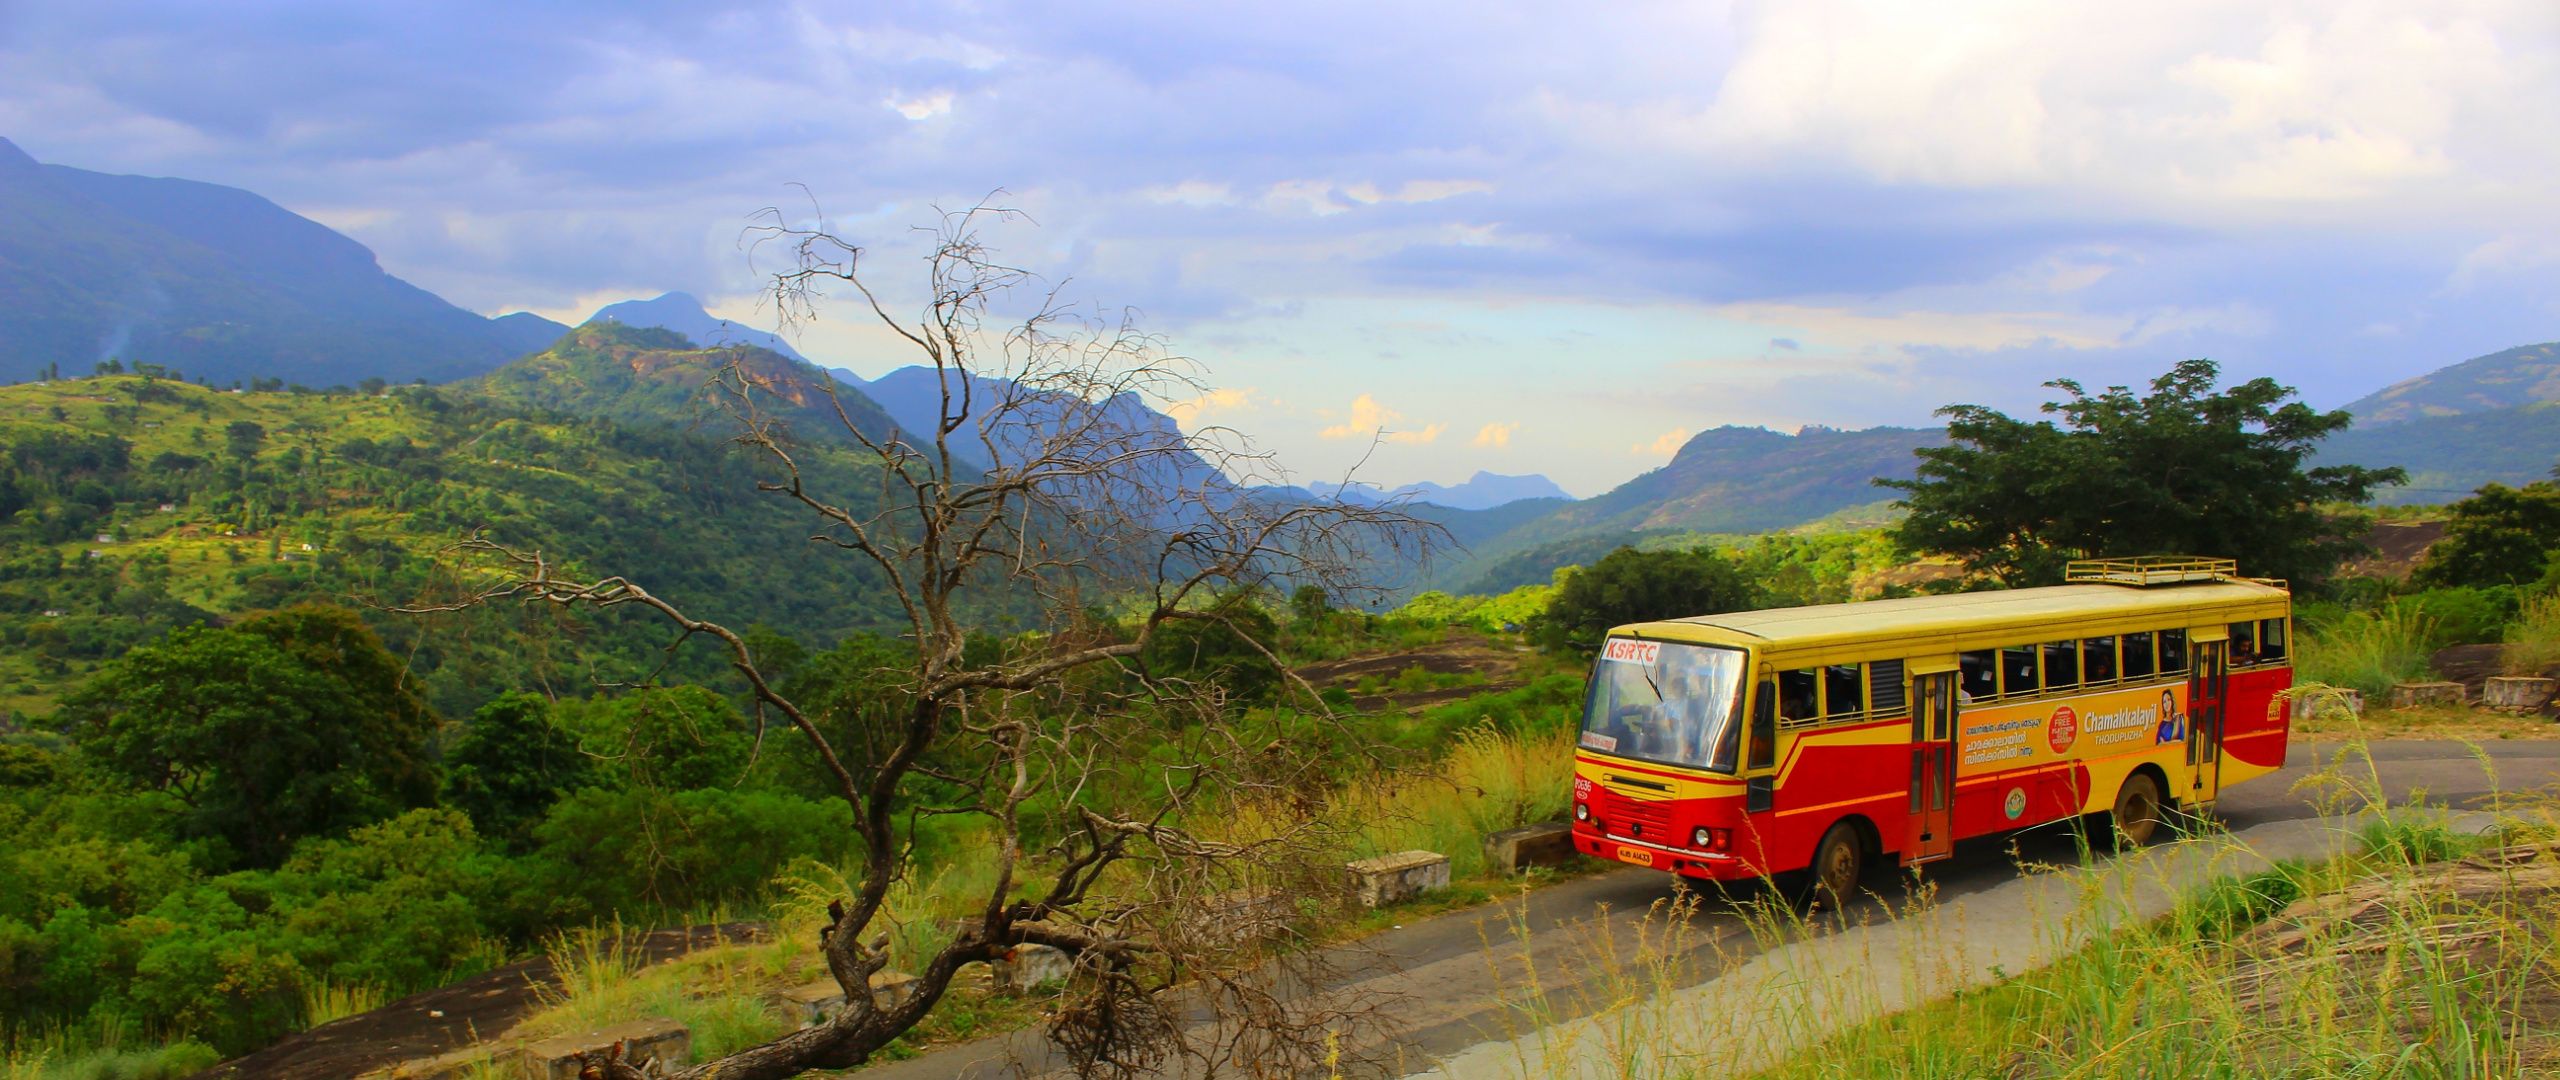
{"x":1461,"y":979}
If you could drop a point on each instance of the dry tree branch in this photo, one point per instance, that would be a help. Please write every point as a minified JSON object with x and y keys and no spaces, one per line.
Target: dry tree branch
{"x":1043,"y":486}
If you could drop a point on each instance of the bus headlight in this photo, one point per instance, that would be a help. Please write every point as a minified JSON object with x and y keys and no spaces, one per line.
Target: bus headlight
{"x":1582,"y":811}
{"x":1699,"y":837}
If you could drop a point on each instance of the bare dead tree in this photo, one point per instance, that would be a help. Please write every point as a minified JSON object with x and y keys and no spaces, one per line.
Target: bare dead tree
{"x":1040,"y":486}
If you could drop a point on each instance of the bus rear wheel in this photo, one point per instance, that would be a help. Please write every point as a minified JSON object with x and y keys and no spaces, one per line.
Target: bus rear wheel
{"x":1839,"y":861}
{"x":2136,"y":817}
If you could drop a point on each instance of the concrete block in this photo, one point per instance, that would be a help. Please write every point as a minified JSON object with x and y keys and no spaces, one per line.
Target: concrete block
{"x":2521,"y":693}
{"x":1394,"y":879}
{"x":1246,"y":915}
{"x":2426,"y":693}
{"x":812,"y":1004}
{"x":1548,"y":843}
{"x":1028,"y":967}
{"x":642,"y":1040}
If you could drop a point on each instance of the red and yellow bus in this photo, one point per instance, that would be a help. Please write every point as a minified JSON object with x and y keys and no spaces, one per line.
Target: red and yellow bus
{"x":1825,"y":738}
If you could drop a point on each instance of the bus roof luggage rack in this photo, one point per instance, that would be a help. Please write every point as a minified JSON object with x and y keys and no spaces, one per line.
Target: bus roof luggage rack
{"x":2141,"y":570}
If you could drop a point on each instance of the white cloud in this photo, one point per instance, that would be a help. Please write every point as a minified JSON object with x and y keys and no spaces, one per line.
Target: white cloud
{"x":1224,"y":401}
{"x":1667,"y":444}
{"x":1370,"y":419}
{"x":1190,"y":193}
{"x":2184,"y":107}
{"x":1416,"y":191}
{"x":921,"y":106}
{"x":1496,"y":434}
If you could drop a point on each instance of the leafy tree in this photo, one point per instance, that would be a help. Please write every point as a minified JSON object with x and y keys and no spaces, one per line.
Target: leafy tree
{"x":1225,"y":652}
{"x":2184,"y":469}
{"x":290,"y":724}
{"x":511,"y":763}
{"x":1628,"y":586}
{"x":2498,"y":536}
{"x":243,"y":438}
{"x":1309,"y":604}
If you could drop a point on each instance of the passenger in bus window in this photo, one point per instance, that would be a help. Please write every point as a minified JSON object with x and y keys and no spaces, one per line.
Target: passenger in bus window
{"x":2244,"y":643}
{"x":1840,"y":694}
{"x":1977,"y":678}
{"x":1695,"y":703}
{"x":2137,"y":655}
{"x":2098,"y":660}
{"x":1796,"y":701}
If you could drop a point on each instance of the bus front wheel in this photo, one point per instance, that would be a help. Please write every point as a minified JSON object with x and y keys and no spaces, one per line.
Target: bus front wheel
{"x":1838,"y":862}
{"x":2137,"y":811}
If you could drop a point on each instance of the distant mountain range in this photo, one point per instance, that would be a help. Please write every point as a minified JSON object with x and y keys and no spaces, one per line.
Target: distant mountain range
{"x":224,"y":285}
{"x":1483,"y":491}
{"x":216,"y":282}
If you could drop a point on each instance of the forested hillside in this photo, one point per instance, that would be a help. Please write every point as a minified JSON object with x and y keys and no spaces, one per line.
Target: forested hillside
{"x":1728,"y":480}
{"x":131,"y":505}
{"x":2501,"y":380}
{"x":650,"y":375}
{"x":216,"y":282}
{"x":2449,"y":456}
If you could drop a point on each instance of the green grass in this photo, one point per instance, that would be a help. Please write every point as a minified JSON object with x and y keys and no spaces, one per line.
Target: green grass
{"x":2369,"y":651}
{"x":2533,"y":643}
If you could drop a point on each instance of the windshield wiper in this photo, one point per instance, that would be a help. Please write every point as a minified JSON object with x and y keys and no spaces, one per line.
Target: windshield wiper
{"x":1642,"y":669}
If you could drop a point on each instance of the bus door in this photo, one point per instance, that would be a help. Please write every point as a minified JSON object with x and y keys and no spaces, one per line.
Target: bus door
{"x":2207,"y":685}
{"x":1932,"y":832}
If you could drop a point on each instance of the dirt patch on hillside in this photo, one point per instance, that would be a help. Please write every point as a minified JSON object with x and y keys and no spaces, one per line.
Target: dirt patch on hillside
{"x":2398,"y":547}
{"x":1484,"y":666}
{"x":473,"y":1011}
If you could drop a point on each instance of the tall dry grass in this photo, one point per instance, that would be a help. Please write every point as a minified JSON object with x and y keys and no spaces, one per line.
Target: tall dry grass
{"x":2369,"y":651}
{"x":2533,"y":643}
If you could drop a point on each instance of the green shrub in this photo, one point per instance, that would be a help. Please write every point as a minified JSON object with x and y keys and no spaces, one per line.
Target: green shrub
{"x":2368,"y":651}
{"x":2463,"y":614}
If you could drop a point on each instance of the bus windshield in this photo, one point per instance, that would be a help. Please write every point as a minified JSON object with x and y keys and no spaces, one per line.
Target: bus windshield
{"x":1665,"y":702}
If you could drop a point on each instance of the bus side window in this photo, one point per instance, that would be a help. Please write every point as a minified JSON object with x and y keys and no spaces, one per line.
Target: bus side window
{"x":1764,"y":729}
{"x":2271,"y":640}
{"x":1797,"y":703}
{"x":1978,"y":675}
{"x":2017,"y":670}
{"x":1841,"y":695}
{"x":2244,"y":643}
{"x":2061,"y":665}
{"x":2173,"y":652}
{"x":2098,"y":660}
{"x":2137,"y":656}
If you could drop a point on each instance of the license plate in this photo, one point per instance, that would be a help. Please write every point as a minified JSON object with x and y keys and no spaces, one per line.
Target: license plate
{"x":1636,"y":855}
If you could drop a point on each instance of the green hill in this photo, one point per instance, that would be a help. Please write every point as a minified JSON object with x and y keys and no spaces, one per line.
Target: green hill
{"x":130,"y":505}
{"x":646,"y":374}
{"x":1728,"y":480}
{"x":2501,"y":380}
{"x":2450,"y":455}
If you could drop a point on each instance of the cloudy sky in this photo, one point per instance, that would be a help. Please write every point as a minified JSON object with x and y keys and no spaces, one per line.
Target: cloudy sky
{"x":1525,"y":238}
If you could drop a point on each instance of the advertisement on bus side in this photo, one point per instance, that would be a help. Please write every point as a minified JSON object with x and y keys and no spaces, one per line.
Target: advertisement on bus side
{"x":1996,"y":737}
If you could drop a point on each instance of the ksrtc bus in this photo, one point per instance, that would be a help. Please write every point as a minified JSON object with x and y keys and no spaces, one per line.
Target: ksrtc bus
{"x":1822,"y":738}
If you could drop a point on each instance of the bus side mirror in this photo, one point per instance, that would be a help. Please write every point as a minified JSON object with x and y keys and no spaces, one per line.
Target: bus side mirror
{"x":1759,"y":794}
